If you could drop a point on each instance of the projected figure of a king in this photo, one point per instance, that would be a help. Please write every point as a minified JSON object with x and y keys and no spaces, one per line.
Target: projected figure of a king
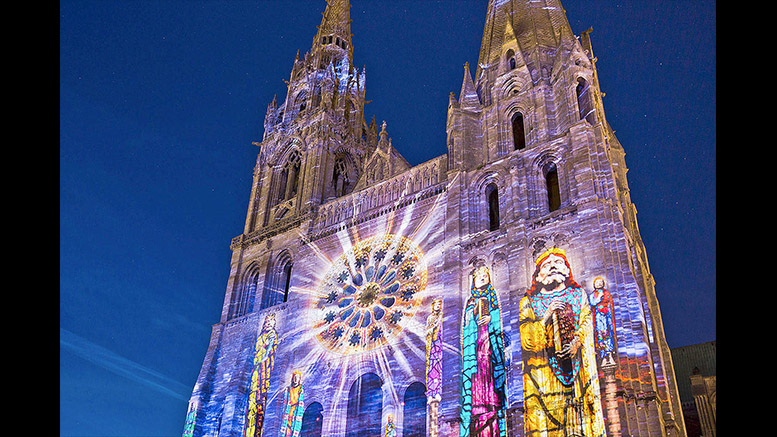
{"x":264,"y":359}
{"x":434,"y":364}
{"x":561,"y":389}
{"x":483,"y":362}
{"x":434,"y":352}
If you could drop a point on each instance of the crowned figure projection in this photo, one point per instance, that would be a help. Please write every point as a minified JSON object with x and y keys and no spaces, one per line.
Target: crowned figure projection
{"x":483,"y":362}
{"x":434,"y":364}
{"x":264,"y":359}
{"x":391,"y":429}
{"x":561,"y":388}
{"x":293,"y":405}
{"x":434,"y":352}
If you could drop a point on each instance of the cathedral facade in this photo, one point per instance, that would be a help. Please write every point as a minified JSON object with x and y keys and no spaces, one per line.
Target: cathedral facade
{"x":501,"y":289}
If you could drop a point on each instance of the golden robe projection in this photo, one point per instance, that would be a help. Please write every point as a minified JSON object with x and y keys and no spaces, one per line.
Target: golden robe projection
{"x":264,"y":360}
{"x":561,"y":388}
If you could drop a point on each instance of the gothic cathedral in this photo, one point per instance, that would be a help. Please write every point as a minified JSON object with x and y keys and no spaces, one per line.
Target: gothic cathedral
{"x":500,"y":289}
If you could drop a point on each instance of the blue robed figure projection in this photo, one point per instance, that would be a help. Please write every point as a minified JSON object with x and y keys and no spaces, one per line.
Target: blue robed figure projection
{"x":293,"y":407}
{"x":483,"y":363}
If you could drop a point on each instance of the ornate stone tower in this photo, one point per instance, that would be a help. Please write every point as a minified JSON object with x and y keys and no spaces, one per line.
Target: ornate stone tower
{"x":499,"y":289}
{"x":315,"y":141}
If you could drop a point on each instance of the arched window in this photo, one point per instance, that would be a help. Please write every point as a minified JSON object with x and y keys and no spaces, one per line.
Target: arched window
{"x":365,"y":407}
{"x":585,"y":101}
{"x":519,"y":136}
{"x":551,"y":183}
{"x":343,"y":175}
{"x":312,"y":420}
{"x":510,"y":57}
{"x":289,"y":177}
{"x":492,"y":197}
{"x":278,"y":282}
{"x":414,"y":416}
{"x":301,"y":100}
{"x":244,"y":300}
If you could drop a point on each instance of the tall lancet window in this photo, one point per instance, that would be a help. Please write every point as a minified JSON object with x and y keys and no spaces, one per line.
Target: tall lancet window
{"x":243,"y":302}
{"x":340,"y":177}
{"x":365,"y":407}
{"x":278,"y":281}
{"x":585,"y":103}
{"x":289,"y":178}
{"x":492,"y":196}
{"x":551,"y":183}
{"x":301,"y":100}
{"x":519,"y":136}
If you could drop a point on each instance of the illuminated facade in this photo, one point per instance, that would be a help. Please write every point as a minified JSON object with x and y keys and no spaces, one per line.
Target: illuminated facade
{"x":501,"y":289}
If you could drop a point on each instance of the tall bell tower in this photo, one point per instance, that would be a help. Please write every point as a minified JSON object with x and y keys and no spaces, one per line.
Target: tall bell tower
{"x":528,"y":139}
{"x":316,"y":139}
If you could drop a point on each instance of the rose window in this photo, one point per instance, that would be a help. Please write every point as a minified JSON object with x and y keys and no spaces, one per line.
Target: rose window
{"x":368,"y":292}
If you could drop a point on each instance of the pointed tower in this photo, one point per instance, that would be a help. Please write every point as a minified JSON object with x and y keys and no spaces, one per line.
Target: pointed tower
{"x":540,"y":168}
{"x":314,"y":141}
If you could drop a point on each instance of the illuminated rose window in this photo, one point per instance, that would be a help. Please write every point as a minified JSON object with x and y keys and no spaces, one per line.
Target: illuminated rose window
{"x":368,"y":292}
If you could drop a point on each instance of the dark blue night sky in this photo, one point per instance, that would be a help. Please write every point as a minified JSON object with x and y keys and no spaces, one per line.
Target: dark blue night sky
{"x":161,"y":100}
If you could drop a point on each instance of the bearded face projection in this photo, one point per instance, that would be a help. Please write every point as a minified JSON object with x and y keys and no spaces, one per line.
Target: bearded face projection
{"x":561,"y":389}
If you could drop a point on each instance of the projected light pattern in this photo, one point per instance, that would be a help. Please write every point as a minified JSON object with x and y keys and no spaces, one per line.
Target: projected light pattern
{"x":368,"y":292}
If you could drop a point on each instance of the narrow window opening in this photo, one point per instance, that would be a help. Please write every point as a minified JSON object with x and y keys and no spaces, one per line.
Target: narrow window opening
{"x":290,"y":178}
{"x":287,"y":282}
{"x":584,"y":101}
{"x":519,"y":136}
{"x":341,"y":179}
{"x":244,"y":302}
{"x":551,"y":183}
{"x":510,"y":56}
{"x":492,"y":195}
{"x":278,"y":282}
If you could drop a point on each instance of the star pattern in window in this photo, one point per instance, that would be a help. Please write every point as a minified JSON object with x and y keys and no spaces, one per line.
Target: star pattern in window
{"x":367,"y":293}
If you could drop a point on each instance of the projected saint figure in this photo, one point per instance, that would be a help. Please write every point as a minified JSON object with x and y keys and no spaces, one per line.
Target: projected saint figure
{"x":604,"y":323}
{"x":191,"y":417}
{"x":264,"y":359}
{"x":391,"y":429}
{"x":434,"y":352}
{"x":561,"y":388}
{"x":483,"y":363}
{"x":434,"y":364}
{"x":293,"y":407}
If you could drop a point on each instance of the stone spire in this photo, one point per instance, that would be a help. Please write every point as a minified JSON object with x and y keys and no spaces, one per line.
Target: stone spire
{"x":536,"y":24}
{"x":334,"y":33}
{"x":468,"y":98}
